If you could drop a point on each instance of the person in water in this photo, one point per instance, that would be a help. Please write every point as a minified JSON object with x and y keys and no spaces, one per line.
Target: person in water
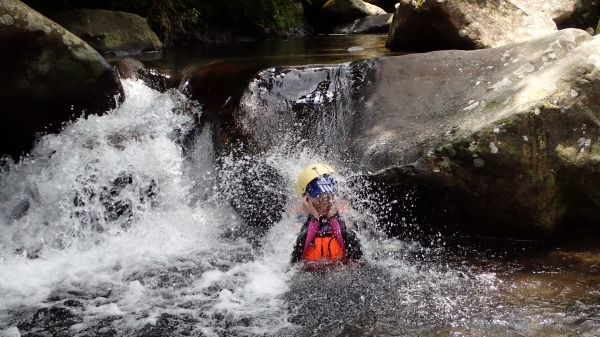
{"x":324,"y":235}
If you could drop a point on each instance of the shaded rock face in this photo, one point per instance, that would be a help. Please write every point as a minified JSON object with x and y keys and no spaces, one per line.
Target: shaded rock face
{"x":464,"y":24}
{"x":372,"y":24}
{"x":218,"y":87}
{"x":337,"y":11}
{"x":48,"y":77}
{"x":111,"y":32}
{"x":501,"y":141}
{"x":586,"y":14}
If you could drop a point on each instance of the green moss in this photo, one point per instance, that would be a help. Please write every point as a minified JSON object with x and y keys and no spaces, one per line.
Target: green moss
{"x":165,"y":16}
{"x":536,"y":94}
{"x":492,"y":104}
{"x":113,"y":39}
{"x":506,"y":121}
{"x":419,"y":3}
{"x":546,"y":104}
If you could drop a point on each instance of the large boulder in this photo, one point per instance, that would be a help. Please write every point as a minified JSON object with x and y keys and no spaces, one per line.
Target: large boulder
{"x":111,"y":32}
{"x":48,"y":77}
{"x":337,"y":11}
{"x":464,"y":24}
{"x":502,"y":141}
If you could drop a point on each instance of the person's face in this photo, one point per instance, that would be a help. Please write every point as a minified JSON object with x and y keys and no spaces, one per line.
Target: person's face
{"x":323,"y":203}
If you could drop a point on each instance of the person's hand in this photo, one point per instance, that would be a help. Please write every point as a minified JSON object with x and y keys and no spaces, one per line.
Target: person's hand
{"x":332,"y":210}
{"x":309,"y":206}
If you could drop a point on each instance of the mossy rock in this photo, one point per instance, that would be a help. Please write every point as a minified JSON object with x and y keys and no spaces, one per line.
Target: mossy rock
{"x":111,"y":32}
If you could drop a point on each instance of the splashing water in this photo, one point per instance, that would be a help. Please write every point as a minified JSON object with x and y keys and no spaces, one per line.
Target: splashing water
{"x":109,"y":229}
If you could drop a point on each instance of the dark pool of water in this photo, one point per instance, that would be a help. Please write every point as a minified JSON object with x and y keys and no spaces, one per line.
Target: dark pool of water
{"x":293,"y":51}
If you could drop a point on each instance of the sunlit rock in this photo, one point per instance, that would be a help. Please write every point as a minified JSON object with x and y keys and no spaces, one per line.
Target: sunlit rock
{"x":337,"y":11}
{"x":111,"y":32}
{"x":386,"y":5}
{"x":435,"y":116}
{"x":557,"y":10}
{"x":463,"y":24}
{"x":48,"y":77}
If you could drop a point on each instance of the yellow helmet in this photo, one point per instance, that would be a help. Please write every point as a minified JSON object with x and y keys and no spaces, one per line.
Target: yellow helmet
{"x":309,"y":174}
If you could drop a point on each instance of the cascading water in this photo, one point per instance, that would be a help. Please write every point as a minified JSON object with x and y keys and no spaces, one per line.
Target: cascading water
{"x":109,"y":229}
{"x":103,"y":233}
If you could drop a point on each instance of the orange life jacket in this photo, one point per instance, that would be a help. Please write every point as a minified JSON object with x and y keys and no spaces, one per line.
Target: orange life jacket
{"x":324,"y":247}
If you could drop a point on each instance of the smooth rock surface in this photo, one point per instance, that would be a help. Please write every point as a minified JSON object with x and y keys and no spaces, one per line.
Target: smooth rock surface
{"x":49,"y":76}
{"x":111,"y":32}
{"x":464,"y":24}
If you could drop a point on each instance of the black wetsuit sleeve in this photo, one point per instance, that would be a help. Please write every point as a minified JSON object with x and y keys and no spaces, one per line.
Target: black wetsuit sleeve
{"x":352,"y":243}
{"x":299,"y":246}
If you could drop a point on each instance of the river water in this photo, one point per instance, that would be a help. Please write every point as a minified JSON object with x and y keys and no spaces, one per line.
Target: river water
{"x":113,"y":228}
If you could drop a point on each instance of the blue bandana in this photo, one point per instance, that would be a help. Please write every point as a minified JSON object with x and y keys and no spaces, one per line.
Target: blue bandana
{"x":321,"y":184}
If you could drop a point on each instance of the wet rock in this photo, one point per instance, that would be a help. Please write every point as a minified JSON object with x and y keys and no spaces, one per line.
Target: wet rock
{"x":464,"y":24}
{"x":218,"y":88}
{"x":290,"y":104}
{"x":111,"y":32}
{"x":337,"y":11}
{"x":49,"y":76}
{"x":372,"y":24}
{"x":53,"y":321}
{"x":501,"y":141}
{"x":168,"y":324}
{"x":20,"y":209}
{"x":158,"y":79}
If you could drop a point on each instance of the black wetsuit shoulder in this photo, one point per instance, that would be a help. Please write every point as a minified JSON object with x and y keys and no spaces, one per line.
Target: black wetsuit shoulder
{"x":299,"y":246}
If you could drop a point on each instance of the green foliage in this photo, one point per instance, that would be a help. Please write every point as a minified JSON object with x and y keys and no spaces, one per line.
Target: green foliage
{"x":249,"y":16}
